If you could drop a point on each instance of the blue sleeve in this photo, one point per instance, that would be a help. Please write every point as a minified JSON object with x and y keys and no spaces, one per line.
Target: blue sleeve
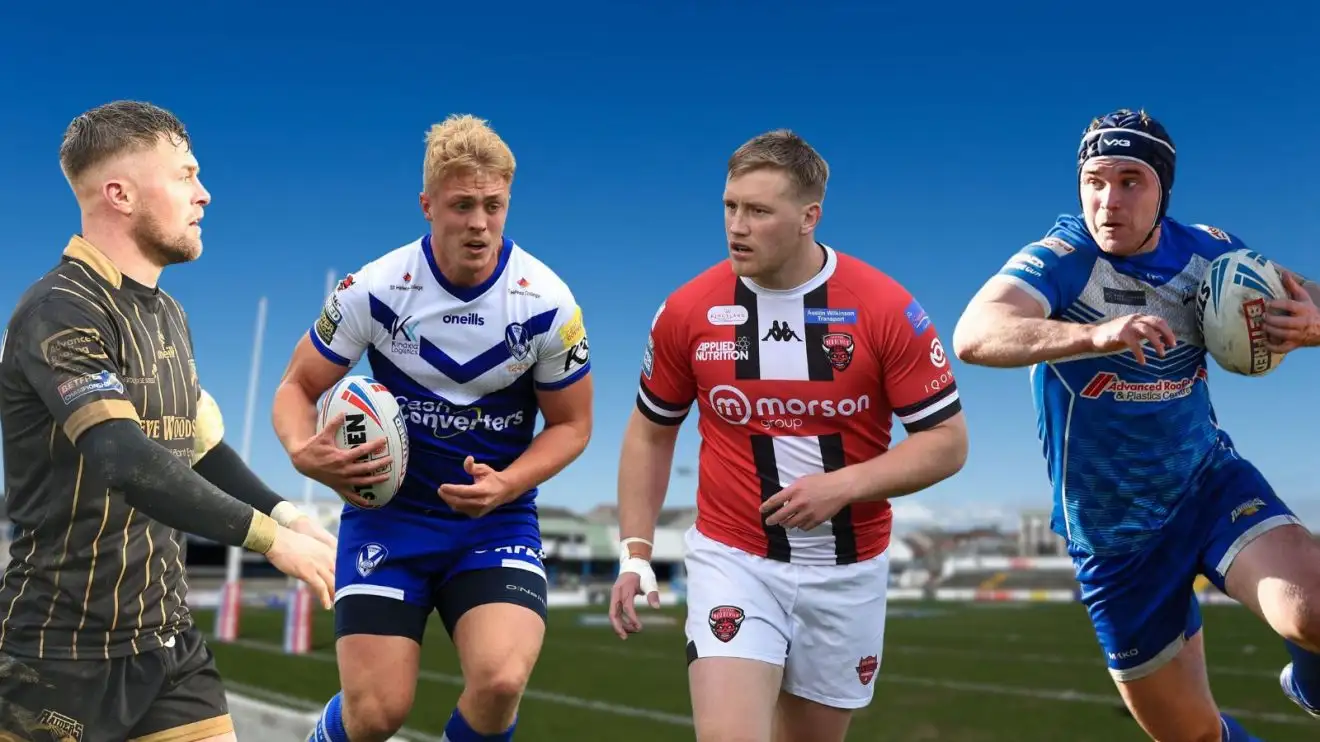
{"x":1051,"y":271}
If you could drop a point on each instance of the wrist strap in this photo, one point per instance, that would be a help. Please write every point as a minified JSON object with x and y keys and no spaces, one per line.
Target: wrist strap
{"x":624,"y":554}
{"x":285,"y":513}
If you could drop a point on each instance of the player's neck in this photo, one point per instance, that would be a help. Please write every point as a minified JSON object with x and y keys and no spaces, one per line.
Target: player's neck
{"x":122,"y":250}
{"x":808,"y":260}
{"x":460,"y":275}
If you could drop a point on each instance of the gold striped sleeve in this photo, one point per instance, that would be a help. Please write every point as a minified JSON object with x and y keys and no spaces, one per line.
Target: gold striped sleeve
{"x":197,"y":730}
{"x":98,"y":412}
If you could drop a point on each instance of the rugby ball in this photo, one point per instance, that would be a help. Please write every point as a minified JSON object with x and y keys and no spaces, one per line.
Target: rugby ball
{"x":370,"y":412}
{"x":1231,"y":308}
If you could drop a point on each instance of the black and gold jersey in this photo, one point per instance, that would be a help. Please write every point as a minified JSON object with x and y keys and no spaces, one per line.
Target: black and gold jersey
{"x":90,"y":576}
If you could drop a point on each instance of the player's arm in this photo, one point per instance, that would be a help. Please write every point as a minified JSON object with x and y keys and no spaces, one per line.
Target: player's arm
{"x":665,"y":394}
{"x":919,"y":383}
{"x":221,"y":465}
{"x":67,"y":349}
{"x":319,"y":360}
{"x":1004,"y":326}
{"x":564,"y":393}
{"x":1012,"y":320}
{"x":664,"y":397}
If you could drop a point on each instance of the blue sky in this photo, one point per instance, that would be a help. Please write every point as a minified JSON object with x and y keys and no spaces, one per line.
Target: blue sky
{"x":950,"y":130}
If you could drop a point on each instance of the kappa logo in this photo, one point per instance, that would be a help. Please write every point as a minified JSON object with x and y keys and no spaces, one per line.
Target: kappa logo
{"x":781,"y":332}
{"x":725,"y":620}
{"x":866,"y":668}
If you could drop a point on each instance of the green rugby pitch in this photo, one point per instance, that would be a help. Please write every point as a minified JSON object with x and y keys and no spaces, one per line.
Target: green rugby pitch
{"x":952,"y":672}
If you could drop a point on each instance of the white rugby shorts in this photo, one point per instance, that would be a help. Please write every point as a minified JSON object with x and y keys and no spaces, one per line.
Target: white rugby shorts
{"x":824,"y":625}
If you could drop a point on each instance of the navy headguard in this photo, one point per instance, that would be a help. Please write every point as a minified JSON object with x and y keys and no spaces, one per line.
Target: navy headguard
{"x":1137,"y":136}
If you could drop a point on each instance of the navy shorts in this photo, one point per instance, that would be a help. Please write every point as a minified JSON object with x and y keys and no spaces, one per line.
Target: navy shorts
{"x":1143,"y":604}
{"x":398,"y":563}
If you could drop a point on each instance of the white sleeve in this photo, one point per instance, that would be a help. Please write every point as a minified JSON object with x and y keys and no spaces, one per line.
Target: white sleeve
{"x":564,"y":356}
{"x":343,"y":331}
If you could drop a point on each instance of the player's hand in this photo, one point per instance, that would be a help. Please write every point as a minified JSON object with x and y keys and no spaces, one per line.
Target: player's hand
{"x":321,"y":459}
{"x":635,"y":578}
{"x":1132,"y":332}
{"x":806,"y":503}
{"x":307,"y":526}
{"x":1294,"y":322}
{"x":488,"y":490}
{"x":308,"y":560}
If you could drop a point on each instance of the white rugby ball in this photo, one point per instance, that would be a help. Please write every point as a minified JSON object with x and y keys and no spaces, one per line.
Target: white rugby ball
{"x":1230,"y":308}
{"x":370,"y":412}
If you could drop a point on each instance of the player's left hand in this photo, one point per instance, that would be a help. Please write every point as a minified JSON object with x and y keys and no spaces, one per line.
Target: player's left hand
{"x":307,"y":526}
{"x":806,"y":503}
{"x":1294,"y":322}
{"x":487,"y":491}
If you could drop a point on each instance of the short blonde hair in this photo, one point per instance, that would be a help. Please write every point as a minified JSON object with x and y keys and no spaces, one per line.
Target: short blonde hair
{"x":785,"y":151}
{"x":463,"y":142}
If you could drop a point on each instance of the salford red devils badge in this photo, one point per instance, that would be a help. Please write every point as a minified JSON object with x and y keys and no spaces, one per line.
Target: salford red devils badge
{"x":839,"y":348}
{"x":725,"y":621}
{"x":866,"y":668}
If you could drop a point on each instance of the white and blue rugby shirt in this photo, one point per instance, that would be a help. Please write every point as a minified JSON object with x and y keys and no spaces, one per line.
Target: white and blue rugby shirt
{"x":1126,"y":443}
{"x":463,"y":362}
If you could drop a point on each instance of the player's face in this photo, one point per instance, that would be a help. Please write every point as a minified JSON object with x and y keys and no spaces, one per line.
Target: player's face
{"x":1120,"y":200}
{"x":467,"y":213}
{"x":764,"y":222}
{"x":169,"y":201}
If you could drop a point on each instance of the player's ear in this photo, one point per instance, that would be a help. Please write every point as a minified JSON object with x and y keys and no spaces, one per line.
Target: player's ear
{"x":119,"y":194}
{"x":810,"y":217}
{"x":425,"y":202}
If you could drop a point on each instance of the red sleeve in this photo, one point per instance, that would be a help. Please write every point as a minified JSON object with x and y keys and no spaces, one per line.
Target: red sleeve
{"x":667,"y":387}
{"x":915,"y":369}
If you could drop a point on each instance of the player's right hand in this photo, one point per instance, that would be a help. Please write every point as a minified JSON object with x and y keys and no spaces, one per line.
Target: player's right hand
{"x":340,"y":469}
{"x":635,"y":578}
{"x":306,"y":559}
{"x":1132,"y":332}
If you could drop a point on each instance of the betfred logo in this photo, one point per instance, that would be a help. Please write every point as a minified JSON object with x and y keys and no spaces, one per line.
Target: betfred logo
{"x":1159,"y":390}
{"x":733,"y":407}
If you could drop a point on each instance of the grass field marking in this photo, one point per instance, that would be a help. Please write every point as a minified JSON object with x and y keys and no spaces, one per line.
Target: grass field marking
{"x":1073,"y":696}
{"x":561,"y":699}
{"x":918,"y":649}
{"x":263,"y":696}
{"x":987,"y":688}
{"x":1067,"y":695}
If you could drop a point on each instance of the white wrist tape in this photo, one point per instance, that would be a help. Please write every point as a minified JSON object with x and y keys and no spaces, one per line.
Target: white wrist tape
{"x":286,"y":513}
{"x":638,"y":566}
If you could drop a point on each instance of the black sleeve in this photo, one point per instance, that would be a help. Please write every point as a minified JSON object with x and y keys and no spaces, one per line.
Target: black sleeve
{"x":157,"y":483}
{"x":68,"y":350}
{"x":223,"y":467}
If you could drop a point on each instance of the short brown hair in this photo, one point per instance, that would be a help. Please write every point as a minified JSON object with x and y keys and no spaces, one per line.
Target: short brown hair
{"x":112,"y":129}
{"x":784,"y":150}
